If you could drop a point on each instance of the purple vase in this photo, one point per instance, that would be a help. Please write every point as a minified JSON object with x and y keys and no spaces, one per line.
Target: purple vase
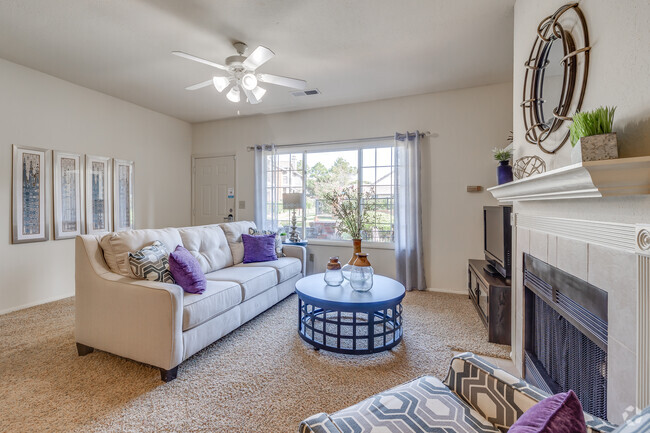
{"x":504,"y":172}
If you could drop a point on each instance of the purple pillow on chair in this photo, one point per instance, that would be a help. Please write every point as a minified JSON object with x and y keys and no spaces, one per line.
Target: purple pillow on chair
{"x":259,"y":248}
{"x":560,"y":413}
{"x":186,"y":270}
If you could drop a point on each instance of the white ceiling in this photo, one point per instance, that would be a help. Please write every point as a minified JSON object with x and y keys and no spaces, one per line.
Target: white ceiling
{"x":351,"y":50}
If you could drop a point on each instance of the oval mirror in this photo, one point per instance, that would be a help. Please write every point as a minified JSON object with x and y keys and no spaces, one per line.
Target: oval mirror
{"x":550,"y":83}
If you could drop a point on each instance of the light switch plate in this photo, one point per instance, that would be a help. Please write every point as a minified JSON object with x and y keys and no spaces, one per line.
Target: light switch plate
{"x":242,"y":204}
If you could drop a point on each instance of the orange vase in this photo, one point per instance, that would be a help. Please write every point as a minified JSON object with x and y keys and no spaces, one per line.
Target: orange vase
{"x":356,"y":246}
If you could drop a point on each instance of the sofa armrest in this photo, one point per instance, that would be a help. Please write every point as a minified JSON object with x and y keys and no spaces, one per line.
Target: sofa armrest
{"x":297,"y":252}
{"x":137,"y":319}
{"x":472,"y":379}
{"x":319,"y":423}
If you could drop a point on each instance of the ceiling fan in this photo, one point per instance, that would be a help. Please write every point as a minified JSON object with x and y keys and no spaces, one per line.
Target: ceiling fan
{"x":241,"y":73}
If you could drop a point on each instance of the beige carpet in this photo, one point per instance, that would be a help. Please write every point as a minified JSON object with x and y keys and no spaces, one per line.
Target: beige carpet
{"x":260,"y":378}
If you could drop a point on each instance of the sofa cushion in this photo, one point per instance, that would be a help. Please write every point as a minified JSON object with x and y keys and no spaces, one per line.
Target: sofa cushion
{"x":286,"y":267}
{"x":559,"y":413}
{"x":208,"y":245}
{"x":278,"y":239}
{"x":233,"y":233}
{"x":186,"y":271}
{"x":151,"y":263}
{"x":118,"y":245}
{"x":258,"y":248}
{"x":253,"y":280}
{"x":424,"y":403}
{"x":219,"y":296}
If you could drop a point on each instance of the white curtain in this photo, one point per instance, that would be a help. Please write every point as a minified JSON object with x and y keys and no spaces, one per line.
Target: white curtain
{"x":266,"y":193}
{"x":408,"y":212}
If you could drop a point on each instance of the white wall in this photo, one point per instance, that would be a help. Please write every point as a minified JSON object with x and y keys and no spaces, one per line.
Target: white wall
{"x":618,"y":75}
{"x":42,"y":111}
{"x":466,"y":124}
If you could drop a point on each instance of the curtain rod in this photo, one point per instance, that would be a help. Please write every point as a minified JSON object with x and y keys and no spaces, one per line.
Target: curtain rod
{"x":354,"y":140}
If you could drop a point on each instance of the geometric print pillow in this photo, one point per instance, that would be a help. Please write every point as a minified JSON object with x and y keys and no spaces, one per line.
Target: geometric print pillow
{"x":152,"y":263}
{"x":278,"y":239}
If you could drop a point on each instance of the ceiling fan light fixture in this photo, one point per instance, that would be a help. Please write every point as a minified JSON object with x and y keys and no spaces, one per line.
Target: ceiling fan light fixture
{"x":220,"y":83}
{"x":249,"y":81}
{"x":233,"y":95}
{"x":258,"y":92}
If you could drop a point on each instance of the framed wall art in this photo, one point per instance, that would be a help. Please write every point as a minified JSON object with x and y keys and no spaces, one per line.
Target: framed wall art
{"x":31,"y":194}
{"x":98,"y":196}
{"x":68,"y":195}
{"x":123,"y":212}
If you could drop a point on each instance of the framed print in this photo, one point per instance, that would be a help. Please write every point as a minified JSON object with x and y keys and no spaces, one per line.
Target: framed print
{"x":30,"y":197}
{"x":98,"y":196}
{"x":123,"y":216}
{"x":68,"y":190}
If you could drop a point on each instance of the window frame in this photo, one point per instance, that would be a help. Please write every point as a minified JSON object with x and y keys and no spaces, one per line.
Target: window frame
{"x":359,"y":147}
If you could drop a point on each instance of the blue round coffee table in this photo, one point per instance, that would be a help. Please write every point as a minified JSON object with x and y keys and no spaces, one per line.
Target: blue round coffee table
{"x":340,"y":319}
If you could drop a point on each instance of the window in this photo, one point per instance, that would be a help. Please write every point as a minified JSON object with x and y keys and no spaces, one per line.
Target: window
{"x":314,"y":173}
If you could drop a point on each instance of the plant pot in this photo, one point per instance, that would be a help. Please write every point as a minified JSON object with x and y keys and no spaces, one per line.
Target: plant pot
{"x":356,"y":245}
{"x":595,"y":148}
{"x":504,"y":172}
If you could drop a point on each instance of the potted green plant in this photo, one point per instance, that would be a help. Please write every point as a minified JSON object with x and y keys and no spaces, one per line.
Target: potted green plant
{"x":504,"y":169}
{"x":592,"y":137}
{"x":283,"y":236}
{"x":354,"y":213}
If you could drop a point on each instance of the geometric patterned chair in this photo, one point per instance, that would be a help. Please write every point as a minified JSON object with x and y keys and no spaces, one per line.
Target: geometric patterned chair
{"x":476,"y":396}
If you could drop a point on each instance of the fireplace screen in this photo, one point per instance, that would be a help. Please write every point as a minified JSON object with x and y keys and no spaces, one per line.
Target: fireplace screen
{"x":566,"y":342}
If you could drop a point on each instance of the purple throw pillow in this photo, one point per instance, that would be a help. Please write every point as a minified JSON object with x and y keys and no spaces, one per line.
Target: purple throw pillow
{"x":560,"y":413}
{"x":186,"y":270}
{"x":259,"y":248}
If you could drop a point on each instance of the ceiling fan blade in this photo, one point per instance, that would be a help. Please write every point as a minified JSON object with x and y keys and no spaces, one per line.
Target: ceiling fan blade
{"x":258,"y":57}
{"x":251,"y":98}
{"x":198,"y":59}
{"x":283,"y":81}
{"x":199,"y":85}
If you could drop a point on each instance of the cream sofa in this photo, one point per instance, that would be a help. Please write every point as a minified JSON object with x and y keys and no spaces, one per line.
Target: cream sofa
{"x":158,"y":323}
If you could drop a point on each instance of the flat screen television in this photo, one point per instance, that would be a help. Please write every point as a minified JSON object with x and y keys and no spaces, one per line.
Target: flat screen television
{"x":497,"y":239}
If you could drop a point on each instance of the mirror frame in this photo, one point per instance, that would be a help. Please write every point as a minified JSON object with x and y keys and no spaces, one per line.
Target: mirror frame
{"x":549,"y":31}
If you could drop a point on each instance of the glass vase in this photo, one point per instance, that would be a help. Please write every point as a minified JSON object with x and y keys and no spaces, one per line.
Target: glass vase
{"x":333,"y":274}
{"x":347,"y":268}
{"x":361,"y":276}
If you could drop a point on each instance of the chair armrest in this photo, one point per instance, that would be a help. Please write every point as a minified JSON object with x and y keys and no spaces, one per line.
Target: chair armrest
{"x":473,"y":378}
{"x":297,"y":252}
{"x":137,"y":319}
{"x":319,"y":423}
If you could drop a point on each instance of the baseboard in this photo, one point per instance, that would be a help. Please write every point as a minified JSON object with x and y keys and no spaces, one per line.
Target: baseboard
{"x":33,"y":304}
{"x":452,"y":291}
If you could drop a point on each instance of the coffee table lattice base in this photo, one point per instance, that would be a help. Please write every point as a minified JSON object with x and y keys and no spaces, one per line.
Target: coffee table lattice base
{"x":355,"y":333}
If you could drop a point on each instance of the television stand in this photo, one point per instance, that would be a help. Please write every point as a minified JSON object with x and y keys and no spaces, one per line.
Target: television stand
{"x":491,"y":296}
{"x":491,"y":270}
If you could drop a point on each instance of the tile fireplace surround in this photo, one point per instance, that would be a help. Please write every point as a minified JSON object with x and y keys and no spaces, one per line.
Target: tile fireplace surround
{"x":613,"y":256}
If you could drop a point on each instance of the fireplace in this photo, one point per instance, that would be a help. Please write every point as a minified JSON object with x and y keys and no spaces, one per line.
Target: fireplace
{"x":565,"y":341}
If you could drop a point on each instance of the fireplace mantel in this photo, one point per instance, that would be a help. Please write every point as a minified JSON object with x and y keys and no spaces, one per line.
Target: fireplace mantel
{"x":613,"y":177}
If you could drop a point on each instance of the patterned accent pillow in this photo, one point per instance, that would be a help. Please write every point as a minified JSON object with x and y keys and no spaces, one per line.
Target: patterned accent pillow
{"x":278,"y":239}
{"x":151,"y":263}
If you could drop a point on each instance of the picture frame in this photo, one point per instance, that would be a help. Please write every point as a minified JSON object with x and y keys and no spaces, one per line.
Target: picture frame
{"x":123,"y":197}
{"x":98,"y":194}
{"x":68,"y":169}
{"x":30,"y":194}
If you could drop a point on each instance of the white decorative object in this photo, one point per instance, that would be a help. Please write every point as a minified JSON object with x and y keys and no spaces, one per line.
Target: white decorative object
{"x":123,"y":201}
{"x":595,"y":148}
{"x":613,"y":177}
{"x":68,"y":195}
{"x":98,"y":197}
{"x":31,"y":194}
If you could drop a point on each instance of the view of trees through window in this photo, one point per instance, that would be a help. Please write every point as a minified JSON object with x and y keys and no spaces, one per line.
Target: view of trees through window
{"x":317,"y":173}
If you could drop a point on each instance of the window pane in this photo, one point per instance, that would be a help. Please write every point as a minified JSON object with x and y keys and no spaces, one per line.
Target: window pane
{"x":369,"y":157}
{"x":368,"y":176}
{"x":384,"y":157}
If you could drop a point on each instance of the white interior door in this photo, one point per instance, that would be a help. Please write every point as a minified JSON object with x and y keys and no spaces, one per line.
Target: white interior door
{"x":214,"y":189}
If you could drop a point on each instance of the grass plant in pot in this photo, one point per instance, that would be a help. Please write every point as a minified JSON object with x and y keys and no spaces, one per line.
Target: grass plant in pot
{"x":504,"y":169}
{"x":354,"y":213}
{"x":592,"y":137}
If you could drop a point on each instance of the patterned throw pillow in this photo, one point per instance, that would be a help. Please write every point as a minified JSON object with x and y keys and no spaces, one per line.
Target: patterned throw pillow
{"x":152,"y":263}
{"x":278,"y":240}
